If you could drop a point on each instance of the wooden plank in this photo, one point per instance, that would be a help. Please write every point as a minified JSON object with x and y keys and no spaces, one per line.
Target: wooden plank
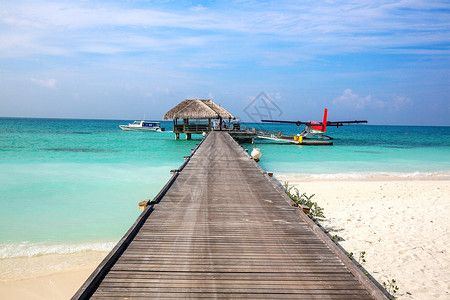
{"x":237,"y":290}
{"x":249,"y":284}
{"x":251,"y":280}
{"x":203,"y":295}
{"x":280,"y":277}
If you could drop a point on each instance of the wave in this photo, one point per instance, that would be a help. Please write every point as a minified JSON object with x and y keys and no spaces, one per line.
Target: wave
{"x":29,"y":249}
{"x":81,"y":150}
{"x":367,"y":175}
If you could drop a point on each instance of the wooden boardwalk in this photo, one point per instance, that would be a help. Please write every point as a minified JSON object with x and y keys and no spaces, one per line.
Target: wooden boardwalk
{"x":222,"y":229}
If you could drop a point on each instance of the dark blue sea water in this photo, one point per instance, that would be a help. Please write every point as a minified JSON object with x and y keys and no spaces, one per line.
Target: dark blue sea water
{"x":74,"y":185}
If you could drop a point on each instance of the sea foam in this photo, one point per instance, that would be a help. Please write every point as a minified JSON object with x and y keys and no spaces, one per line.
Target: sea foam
{"x":366,"y":175}
{"x":28,"y":249}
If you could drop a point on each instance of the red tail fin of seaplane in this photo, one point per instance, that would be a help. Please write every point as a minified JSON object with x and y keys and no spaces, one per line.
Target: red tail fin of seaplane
{"x":324,"y":122}
{"x":321,"y":127}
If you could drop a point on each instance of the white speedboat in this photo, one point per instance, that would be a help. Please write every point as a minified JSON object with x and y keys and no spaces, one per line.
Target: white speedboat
{"x":143,"y":125}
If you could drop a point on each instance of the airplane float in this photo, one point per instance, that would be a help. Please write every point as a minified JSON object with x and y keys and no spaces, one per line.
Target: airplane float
{"x":317,"y":129}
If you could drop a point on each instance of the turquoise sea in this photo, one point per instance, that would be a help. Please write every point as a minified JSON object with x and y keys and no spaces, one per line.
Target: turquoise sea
{"x":74,"y":185}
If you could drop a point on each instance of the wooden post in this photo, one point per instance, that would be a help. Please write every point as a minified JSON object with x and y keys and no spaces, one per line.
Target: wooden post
{"x":305,"y":208}
{"x":143,"y":204}
{"x":188,"y":136}
{"x":185,"y":122}
{"x":177,"y":136}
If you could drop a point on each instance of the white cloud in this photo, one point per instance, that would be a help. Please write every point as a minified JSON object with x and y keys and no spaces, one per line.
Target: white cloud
{"x":198,"y":8}
{"x":314,"y":28}
{"x":398,"y":102}
{"x":49,"y":83}
{"x":351,"y":100}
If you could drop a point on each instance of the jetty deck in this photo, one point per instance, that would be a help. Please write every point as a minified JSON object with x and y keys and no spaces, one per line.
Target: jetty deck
{"x":221,"y":228}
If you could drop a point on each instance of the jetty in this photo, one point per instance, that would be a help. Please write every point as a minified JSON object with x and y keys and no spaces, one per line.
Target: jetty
{"x":200,"y":116}
{"x":222,"y":228}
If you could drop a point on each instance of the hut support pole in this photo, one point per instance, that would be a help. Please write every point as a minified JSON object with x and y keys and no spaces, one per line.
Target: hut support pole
{"x":177,"y":135}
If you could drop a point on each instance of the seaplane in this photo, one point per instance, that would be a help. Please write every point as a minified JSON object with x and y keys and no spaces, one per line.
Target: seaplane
{"x":317,"y":129}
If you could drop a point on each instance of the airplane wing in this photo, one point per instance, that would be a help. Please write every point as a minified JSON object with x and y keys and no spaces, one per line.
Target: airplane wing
{"x":287,"y":122}
{"x":341,"y":123}
{"x":335,"y":123}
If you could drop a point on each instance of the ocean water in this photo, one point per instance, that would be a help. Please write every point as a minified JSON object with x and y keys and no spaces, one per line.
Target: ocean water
{"x":74,"y":185}
{"x":361,"y":151}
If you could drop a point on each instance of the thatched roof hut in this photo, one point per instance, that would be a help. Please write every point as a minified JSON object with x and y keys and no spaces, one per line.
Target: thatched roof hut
{"x":198,"y":109}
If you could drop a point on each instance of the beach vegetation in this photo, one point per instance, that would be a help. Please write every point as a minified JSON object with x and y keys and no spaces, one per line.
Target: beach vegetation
{"x":361,"y":259}
{"x":316,"y":212}
{"x":336,"y":239}
{"x":391,"y":287}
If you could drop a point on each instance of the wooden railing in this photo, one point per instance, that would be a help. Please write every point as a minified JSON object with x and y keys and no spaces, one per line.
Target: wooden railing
{"x":178,"y":128}
{"x":191,"y":128}
{"x":196,"y":128}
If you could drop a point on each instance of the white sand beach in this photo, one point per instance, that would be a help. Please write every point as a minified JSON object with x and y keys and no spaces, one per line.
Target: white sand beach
{"x":54,"y":276}
{"x":401,"y":224}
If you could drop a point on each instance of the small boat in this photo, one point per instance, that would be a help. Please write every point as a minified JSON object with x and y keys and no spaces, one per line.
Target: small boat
{"x":143,"y":125}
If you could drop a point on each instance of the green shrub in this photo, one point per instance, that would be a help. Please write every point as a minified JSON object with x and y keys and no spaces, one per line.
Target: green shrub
{"x":316,"y":212}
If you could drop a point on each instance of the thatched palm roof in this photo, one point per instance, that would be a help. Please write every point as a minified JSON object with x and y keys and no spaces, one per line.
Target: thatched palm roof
{"x":197,"y":109}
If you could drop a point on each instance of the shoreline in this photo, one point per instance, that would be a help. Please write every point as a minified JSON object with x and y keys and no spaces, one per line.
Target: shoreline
{"x":399,"y":222}
{"x":377,"y":176}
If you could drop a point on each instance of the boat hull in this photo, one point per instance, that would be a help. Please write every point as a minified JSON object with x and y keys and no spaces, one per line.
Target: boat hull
{"x":129,"y":128}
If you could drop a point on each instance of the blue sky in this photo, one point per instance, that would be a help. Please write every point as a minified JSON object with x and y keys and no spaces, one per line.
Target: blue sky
{"x":384,"y":61}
